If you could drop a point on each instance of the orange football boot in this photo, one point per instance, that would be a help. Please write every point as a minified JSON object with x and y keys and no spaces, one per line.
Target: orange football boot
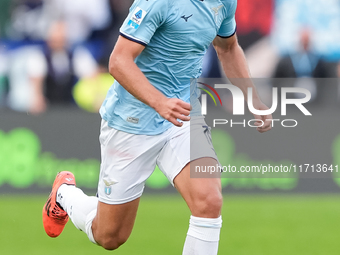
{"x":54,"y":217}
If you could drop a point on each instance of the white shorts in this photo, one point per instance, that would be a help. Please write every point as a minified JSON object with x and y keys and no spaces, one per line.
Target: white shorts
{"x":128,"y":160}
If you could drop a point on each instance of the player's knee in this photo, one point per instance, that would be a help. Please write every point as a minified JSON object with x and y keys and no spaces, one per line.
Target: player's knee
{"x":208,"y":205}
{"x":213,"y":205}
{"x":112,"y":242}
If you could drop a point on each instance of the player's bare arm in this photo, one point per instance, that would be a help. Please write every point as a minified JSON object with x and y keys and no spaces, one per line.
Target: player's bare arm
{"x":235,"y":67}
{"x":123,"y":68}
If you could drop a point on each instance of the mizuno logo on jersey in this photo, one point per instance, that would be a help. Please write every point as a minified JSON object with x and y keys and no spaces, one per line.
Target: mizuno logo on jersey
{"x":186,"y":18}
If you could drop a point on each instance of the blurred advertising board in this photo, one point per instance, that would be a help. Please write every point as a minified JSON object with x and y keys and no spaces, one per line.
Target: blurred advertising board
{"x":34,"y":148}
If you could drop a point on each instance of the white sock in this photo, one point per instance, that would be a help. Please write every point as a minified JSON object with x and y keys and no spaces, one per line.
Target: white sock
{"x":80,"y":208}
{"x":203,"y":236}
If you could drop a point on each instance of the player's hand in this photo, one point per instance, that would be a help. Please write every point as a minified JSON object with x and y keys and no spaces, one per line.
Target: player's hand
{"x":172,"y":109}
{"x":267,"y":119}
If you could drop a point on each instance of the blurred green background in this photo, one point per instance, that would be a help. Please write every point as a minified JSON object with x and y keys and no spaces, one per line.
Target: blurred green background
{"x":252,"y":224}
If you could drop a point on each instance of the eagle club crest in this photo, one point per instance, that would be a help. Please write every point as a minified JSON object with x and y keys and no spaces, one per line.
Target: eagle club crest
{"x":216,"y":11}
{"x":107,"y":188}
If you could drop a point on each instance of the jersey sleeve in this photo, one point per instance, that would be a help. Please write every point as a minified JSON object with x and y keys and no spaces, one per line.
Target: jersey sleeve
{"x":143,"y":20}
{"x":228,"y":27}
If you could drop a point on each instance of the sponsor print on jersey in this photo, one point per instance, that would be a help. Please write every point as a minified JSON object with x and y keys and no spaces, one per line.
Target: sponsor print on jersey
{"x":137,"y":17}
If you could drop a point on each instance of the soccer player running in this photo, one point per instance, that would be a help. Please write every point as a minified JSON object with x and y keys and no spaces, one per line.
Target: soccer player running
{"x":146,"y":122}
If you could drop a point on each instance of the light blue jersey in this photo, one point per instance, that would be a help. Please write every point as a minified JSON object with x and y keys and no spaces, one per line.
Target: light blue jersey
{"x":176,"y":34}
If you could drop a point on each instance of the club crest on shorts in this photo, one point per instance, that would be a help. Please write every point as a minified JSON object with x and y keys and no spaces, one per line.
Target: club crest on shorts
{"x":107,"y":188}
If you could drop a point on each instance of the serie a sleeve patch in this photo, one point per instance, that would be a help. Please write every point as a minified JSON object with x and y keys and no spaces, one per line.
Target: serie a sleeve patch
{"x":137,"y":17}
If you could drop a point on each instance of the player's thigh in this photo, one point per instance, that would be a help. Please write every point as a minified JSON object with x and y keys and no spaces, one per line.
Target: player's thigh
{"x":192,"y":143}
{"x":202,"y":195}
{"x":127,"y":162}
{"x":185,"y":144}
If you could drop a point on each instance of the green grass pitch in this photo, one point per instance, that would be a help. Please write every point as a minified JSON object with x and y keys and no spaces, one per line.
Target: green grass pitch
{"x":252,"y":225}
